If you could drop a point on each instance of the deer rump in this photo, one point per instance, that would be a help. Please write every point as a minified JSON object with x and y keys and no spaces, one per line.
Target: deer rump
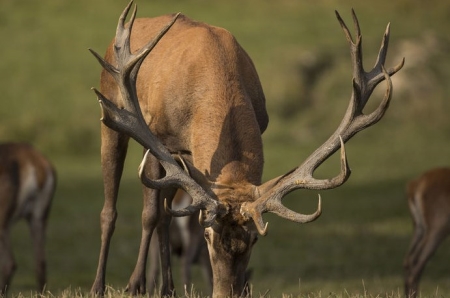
{"x":27,"y":185}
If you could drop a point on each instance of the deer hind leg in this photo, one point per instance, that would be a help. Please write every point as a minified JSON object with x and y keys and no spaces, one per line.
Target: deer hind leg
{"x":418,"y":234}
{"x":193,"y":247}
{"x":417,"y":244}
{"x":154,"y":264}
{"x":418,"y":260}
{"x":188,"y":259}
{"x":113,"y":152}
{"x":411,"y":259}
{"x":167,"y":287}
{"x":153,"y":270}
{"x":37,"y":230}
{"x":37,"y":222}
{"x":152,"y":216}
{"x":188,"y":246}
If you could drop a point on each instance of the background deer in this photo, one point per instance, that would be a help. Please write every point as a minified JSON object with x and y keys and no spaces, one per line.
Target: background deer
{"x":27,"y":185}
{"x":198,"y":98}
{"x":186,"y":241}
{"x":429,"y":204}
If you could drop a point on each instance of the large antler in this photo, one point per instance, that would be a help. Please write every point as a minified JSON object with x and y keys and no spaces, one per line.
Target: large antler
{"x":130,"y":120}
{"x":354,"y":121}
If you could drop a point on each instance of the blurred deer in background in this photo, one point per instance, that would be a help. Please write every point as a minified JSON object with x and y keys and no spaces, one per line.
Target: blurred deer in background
{"x":27,"y":185}
{"x":429,"y":204}
{"x":198,"y":96}
{"x":186,"y":241}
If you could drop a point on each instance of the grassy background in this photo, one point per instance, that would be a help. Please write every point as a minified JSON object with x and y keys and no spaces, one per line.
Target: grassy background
{"x":356,"y":246}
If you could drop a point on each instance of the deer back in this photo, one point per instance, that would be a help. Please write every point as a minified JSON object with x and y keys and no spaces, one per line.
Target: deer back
{"x":200,"y":93}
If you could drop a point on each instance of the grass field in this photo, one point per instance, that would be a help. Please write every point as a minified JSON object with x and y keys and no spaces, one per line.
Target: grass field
{"x":355,"y":249}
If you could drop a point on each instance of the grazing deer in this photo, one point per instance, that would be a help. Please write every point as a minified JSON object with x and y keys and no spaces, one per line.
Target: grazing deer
{"x":197,"y":100}
{"x":27,"y":185}
{"x":429,"y":204}
{"x":186,"y":241}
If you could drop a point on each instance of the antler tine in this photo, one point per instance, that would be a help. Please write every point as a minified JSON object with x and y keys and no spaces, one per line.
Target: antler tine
{"x":356,"y":23}
{"x":109,"y":68}
{"x":282,"y":211}
{"x":255,"y":211}
{"x":131,"y":121}
{"x":354,"y":120}
{"x":355,"y":46}
{"x":382,"y":53}
{"x":121,"y":32}
{"x":123,"y":16}
{"x":344,"y":27}
{"x":343,"y":175}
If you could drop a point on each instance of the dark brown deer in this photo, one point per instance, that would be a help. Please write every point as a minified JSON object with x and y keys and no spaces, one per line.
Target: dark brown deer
{"x":429,"y":204}
{"x":27,"y":185}
{"x":187,"y":242}
{"x":197,"y":100}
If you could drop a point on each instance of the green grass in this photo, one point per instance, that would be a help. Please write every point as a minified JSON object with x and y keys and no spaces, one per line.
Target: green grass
{"x":354,"y":250}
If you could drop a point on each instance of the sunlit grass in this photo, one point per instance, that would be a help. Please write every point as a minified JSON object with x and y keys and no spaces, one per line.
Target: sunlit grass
{"x":191,"y":293}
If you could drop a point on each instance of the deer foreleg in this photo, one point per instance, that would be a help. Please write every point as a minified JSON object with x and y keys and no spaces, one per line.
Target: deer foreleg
{"x":419,"y":259}
{"x":113,"y":152}
{"x":153,"y":270}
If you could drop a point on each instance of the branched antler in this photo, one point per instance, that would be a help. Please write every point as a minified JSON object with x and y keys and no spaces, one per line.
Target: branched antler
{"x":354,"y":121}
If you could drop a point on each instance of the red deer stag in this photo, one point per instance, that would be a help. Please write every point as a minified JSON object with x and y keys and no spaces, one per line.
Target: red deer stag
{"x":27,"y":185}
{"x":197,"y":99}
{"x":186,"y":241}
{"x":429,"y":204}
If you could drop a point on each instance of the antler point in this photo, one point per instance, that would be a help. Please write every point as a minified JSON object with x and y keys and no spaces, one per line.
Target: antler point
{"x":264,"y":232}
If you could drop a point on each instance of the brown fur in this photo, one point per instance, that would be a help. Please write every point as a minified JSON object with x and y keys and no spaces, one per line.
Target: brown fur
{"x":429,"y":203}
{"x":27,"y":183}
